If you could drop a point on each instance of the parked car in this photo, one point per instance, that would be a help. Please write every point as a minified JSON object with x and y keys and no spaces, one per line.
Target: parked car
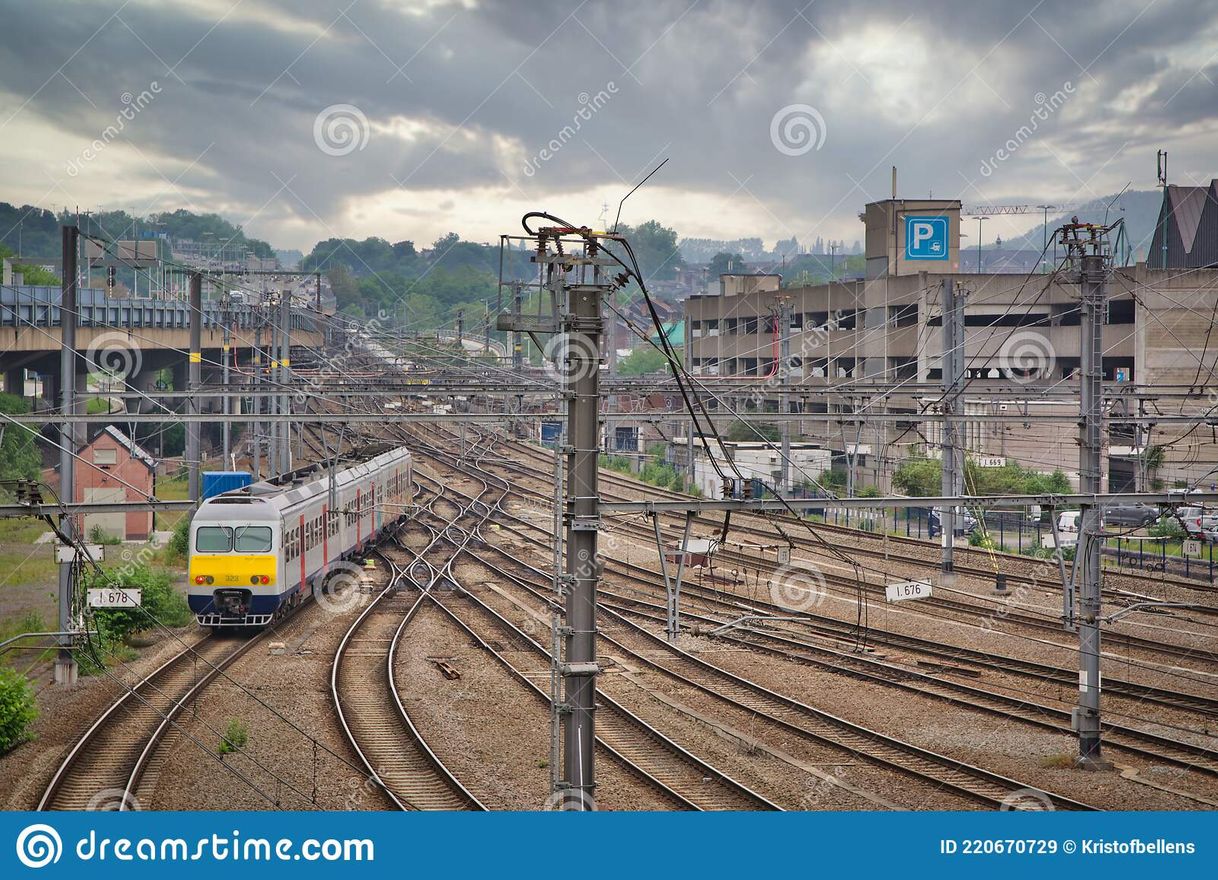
{"x":934,"y":523}
{"x":1130,"y":515}
{"x":1199,"y":522}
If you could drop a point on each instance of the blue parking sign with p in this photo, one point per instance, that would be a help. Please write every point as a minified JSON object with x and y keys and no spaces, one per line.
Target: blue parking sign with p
{"x":926,"y":238}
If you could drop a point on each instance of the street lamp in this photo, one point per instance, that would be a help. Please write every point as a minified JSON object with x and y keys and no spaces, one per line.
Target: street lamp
{"x":1045,"y":236}
{"x":979,"y":219}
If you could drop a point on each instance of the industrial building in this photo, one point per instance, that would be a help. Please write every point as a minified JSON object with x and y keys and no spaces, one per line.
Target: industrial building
{"x":871,"y":349}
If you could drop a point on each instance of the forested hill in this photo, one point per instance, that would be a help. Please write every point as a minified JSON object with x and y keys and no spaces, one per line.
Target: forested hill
{"x":34,"y":232}
{"x":422,"y":286}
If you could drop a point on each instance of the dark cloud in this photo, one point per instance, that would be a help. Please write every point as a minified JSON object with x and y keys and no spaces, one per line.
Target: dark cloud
{"x":461,"y":98}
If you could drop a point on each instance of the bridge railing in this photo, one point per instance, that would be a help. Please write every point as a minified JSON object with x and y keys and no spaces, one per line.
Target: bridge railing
{"x":39,"y":306}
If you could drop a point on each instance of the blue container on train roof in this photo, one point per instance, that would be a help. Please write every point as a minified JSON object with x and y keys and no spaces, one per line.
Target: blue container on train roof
{"x":216,"y":482}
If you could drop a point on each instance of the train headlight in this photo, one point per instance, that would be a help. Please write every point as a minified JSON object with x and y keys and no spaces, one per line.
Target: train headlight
{"x":264,"y":579}
{"x":259,"y":579}
{"x":200,"y":579}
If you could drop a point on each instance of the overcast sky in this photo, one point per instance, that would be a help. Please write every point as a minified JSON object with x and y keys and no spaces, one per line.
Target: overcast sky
{"x":305,"y":119}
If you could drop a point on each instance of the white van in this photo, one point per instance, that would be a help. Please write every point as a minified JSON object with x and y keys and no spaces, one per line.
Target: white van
{"x":1068,"y":521}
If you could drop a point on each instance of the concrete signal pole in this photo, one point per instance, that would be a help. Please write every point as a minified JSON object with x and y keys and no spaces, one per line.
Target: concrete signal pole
{"x":194,"y":370}
{"x":1093,"y":293}
{"x":65,"y":661}
{"x":784,"y":377}
{"x":583,"y":326}
{"x":285,"y":378}
{"x":952,"y":458}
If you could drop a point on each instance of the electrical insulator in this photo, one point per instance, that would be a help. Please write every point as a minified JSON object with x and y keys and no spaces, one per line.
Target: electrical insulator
{"x":729,"y":487}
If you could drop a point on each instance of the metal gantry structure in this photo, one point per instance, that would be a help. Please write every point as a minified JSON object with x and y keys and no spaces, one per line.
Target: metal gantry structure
{"x":575,"y":277}
{"x":1087,"y":247}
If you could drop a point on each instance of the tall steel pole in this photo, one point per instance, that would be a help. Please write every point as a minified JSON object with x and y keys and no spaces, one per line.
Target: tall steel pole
{"x":65,"y":662}
{"x":285,"y":377}
{"x":784,"y":378}
{"x":272,"y":401}
{"x":583,"y":324}
{"x":517,"y":336}
{"x":951,"y":460}
{"x":225,"y":350}
{"x":194,"y":369}
{"x":255,"y":429}
{"x":1092,"y":294}
{"x":690,"y":468}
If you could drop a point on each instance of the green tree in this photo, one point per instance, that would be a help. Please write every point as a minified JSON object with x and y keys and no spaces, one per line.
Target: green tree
{"x":643,"y":359}
{"x":724,"y":263}
{"x":655,"y":246}
{"x":918,"y":477}
{"x":754,"y":432}
{"x":17,"y":708}
{"x":30,"y":274}
{"x":19,"y":456}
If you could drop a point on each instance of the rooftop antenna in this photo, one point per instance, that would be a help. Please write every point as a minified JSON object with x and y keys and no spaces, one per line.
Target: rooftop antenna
{"x":1161,"y":157}
{"x":629,"y":194}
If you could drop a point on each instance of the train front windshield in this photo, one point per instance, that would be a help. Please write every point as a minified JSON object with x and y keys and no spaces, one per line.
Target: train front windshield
{"x":239,"y":539}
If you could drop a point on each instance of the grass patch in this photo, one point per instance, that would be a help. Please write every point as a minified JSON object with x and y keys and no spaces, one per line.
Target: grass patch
{"x":236,"y":735}
{"x":1060,"y":761}
{"x":173,"y":488}
{"x":29,"y":622}
{"x":30,"y":565}
{"x":21,"y":529}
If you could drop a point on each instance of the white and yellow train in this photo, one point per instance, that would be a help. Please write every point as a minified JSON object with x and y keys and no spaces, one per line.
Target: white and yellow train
{"x":255,"y":553}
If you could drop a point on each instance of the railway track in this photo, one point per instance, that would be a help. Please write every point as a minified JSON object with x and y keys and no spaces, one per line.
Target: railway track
{"x":683,"y":779}
{"x":1044,"y":569}
{"x":104,"y":768}
{"x":1133,"y":740}
{"x":793,"y":717}
{"x":788,"y":715}
{"x":373,"y":718}
{"x":370,"y":710}
{"x":833,"y":628}
{"x":957,"y":610}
